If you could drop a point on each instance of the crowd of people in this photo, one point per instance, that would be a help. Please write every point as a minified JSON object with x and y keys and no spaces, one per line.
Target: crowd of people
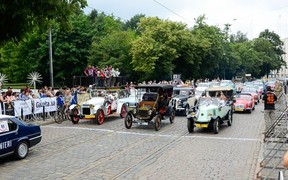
{"x":102,"y":77}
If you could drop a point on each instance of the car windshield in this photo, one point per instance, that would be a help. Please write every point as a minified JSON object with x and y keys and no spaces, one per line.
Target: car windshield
{"x":208,"y":100}
{"x":246,"y":97}
{"x":248,"y":90}
{"x":203,"y":85}
{"x":181,"y":92}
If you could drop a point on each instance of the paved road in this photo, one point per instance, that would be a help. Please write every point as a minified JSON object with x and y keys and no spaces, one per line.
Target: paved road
{"x":110,"y":151}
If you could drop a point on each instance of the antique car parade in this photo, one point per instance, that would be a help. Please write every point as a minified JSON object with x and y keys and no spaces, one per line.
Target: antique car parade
{"x":144,"y":90}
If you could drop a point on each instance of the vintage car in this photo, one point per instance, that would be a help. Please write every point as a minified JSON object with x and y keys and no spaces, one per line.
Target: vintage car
{"x":225,"y":83}
{"x":244,"y":103}
{"x":131,"y":101}
{"x":100,"y":104}
{"x":153,"y":108}
{"x":212,"y":112}
{"x":16,"y":136}
{"x":183,"y":99}
{"x":253,"y":91}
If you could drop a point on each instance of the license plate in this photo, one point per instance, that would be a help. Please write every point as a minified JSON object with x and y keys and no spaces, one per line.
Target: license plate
{"x":143,"y":123}
{"x":89,"y":116}
{"x":202,"y":125}
{"x":239,"y":109}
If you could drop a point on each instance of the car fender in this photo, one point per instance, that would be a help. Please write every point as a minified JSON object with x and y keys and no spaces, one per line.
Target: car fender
{"x":72,"y":106}
{"x":23,"y":138}
{"x":119,"y":106}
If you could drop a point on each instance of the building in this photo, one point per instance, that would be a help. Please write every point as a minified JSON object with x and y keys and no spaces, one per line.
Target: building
{"x":283,"y":72}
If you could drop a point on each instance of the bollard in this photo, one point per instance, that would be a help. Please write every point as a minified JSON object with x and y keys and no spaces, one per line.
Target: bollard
{"x":22,"y":116}
{"x":44,"y":115}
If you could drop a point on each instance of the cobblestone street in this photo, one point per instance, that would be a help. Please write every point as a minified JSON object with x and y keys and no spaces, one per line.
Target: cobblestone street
{"x":110,"y":151}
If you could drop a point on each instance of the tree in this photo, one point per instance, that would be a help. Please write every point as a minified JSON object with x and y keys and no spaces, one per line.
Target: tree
{"x":19,"y":17}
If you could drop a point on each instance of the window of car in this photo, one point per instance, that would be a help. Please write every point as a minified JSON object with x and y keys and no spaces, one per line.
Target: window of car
{"x":7,"y":125}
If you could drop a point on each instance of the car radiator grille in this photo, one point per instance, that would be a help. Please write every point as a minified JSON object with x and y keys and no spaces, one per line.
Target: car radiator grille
{"x":143,"y":113}
{"x":86,"y":111}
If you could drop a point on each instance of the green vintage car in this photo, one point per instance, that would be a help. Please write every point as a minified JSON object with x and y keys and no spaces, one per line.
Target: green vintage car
{"x":212,"y":112}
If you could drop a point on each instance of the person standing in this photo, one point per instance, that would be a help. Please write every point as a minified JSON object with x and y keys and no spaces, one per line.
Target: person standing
{"x":269,"y":100}
{"x":278,"y":90}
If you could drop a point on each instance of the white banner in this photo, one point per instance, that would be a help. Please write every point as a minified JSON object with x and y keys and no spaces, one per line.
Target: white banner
{"x":26,"y":106}
{"x":50,"y":104}
{"x":1,"y":108}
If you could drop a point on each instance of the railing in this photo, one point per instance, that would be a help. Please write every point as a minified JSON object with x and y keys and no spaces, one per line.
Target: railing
{"x":90,"y":80}
{"x":275,"y":144}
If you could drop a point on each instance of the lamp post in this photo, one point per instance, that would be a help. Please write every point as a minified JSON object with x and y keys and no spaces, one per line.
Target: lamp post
{"x":51,"y":59}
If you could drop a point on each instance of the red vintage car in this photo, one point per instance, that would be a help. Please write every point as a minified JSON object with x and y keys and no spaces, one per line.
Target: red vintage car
{"x":253,"y":91}
{"x":244,"y":103}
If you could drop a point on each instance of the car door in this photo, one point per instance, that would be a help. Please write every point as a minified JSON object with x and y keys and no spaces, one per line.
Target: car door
{"x":8,"y":136}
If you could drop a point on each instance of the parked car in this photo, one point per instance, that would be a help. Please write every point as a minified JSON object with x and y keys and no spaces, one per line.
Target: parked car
{"x":212,"y":112}
{"x":102,"y":103}
{"x":153,"y":108}
{"x":16,"y":136}
{"x":229,"y":83}
{"x":244,"y":103}
{"x":183,"y":99}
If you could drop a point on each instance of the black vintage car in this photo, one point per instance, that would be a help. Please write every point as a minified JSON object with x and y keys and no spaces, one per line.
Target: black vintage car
{"x":153,"y":108}
{"x":183,"y":99}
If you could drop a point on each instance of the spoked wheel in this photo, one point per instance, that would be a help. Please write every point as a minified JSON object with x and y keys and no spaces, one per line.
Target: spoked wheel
{"x":190,"y":125}
{"x":128,"y":121}
{"x":100,"y":116}
{"x":123,"y":112}
{"x":216,"y":126}
{"x":21,"y":150}
{"x":74,"y":116}
{"x":172,"y":117}
{"x":230,"y":118}
{"x":59,"y":116}
{"x":157,"y":123}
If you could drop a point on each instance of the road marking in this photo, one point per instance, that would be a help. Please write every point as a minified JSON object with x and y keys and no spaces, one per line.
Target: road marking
{"x":156,"y":135}
{"x":223,"y":138}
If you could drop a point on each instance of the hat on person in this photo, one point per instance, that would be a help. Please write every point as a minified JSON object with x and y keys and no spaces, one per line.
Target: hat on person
{"x":268,"y":88}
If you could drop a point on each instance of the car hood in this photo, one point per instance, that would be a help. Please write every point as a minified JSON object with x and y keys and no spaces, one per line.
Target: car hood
{"x":181,"y":97}
{"x":241,"y":101}
{"x":95,"y":101}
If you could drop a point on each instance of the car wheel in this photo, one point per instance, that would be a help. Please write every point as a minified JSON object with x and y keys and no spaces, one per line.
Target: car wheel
{"x":253,"y":108}
{"x":216,"y":126}
{"x":21,"y":150}
{"x":230,"y":118}
{"x":99,"y":116}
{"x":190,"y":125}
{"x":107,"y":106}
{"x":157,"y":123}
{"x":123,"y":112}
{"x":74,"y":116}
{"x":172,"y":117}
{"x":128,"y":121}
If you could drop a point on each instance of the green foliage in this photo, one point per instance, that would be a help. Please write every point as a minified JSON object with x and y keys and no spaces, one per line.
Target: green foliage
{"x":19,"y":17}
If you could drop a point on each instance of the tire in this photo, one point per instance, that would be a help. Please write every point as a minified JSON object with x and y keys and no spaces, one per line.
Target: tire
{"x":190,"y":125}
{"x":216,"y":126}
{"x":99,"y":116}
{"x":123,"y":112}
{"x":58,"y":118}
{"x":250,"y":111}
{"x":172,"y":117}
{"x":157,"y":123}
{"x":74,"y":116}
{"x":128,"y":121}
{"x":21,"y":150}
{"x":230,"y":118}
{"x":253,"y":108}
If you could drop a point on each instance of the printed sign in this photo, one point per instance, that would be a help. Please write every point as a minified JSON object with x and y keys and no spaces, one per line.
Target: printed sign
{"x":22,"y":106}
{"x":4,"y":126}
{"x":49,"y":104}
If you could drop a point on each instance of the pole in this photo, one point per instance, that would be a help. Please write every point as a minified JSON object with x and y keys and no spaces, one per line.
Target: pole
{"x":51,"y":59}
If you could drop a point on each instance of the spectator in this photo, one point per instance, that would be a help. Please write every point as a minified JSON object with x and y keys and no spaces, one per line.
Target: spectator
{"x":269,"y":107}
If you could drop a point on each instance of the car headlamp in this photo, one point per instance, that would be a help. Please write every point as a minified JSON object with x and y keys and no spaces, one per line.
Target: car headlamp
{"x":149,"y":112}
{"x":134,"y":111}
{"x":209,"y":114}
{"x":78,"y":106}
{"x":91,"y":106}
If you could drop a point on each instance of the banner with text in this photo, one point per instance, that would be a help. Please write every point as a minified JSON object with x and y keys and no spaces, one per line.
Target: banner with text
{"x":50,"y":104}
{"x":25,"y":106}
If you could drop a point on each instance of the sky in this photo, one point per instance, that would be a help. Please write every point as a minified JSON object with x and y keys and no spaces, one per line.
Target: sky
{"x":248,"y":16}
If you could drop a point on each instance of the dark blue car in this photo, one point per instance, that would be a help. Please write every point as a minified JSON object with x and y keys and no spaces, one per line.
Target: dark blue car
{"x":16,"y":136}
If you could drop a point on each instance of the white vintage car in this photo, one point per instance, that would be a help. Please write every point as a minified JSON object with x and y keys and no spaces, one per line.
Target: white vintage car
{"x":131,"y":101}
{"x":101,"y":104}
{"x":212,"y":112}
